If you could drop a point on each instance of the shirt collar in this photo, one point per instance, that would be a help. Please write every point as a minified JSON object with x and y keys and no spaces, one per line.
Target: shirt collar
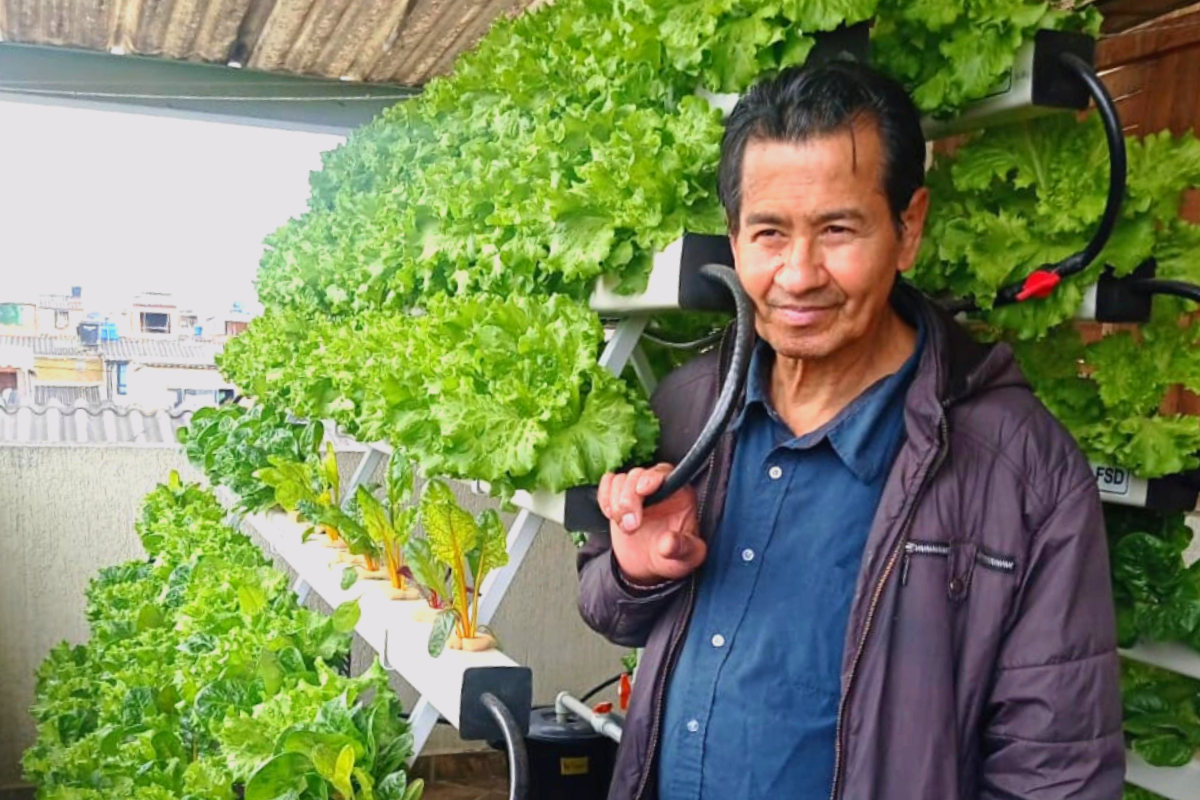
{"x":857,"y":433}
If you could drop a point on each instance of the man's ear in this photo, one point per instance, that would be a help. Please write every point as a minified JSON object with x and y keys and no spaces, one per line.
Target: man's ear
{"x":914,"y":227}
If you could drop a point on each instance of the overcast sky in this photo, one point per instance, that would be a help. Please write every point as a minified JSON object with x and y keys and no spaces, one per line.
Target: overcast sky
{"x":121,"y":203}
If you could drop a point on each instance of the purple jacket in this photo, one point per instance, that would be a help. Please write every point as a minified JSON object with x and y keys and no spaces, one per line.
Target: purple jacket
{"x":980,"y":657}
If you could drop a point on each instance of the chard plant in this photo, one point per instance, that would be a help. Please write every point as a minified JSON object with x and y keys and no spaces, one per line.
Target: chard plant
{"x":390,"y":526}
{"x":470,"y":547}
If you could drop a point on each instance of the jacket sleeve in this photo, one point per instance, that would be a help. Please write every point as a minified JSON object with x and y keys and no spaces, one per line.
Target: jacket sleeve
{"x":1053,"y":727}
{"x":622,"y":613}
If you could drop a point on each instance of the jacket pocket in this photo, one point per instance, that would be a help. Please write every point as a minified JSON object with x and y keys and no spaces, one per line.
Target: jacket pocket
{"x":961,"y":558}
{"x":996,"y":562}
{"x":918,"y":549}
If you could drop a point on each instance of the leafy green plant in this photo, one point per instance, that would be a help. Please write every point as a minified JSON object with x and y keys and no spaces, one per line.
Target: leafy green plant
{"x":1157,"y":593}
{"x":1018,"y":197}
{"x":470,"y":547}
{"x":293,"y":483}
{"x":202,"y":632}
{"x":231,"y":444}
{"x":1108,"y":394}
{"x":948,"y":53}
{"x":430,"y":576}
{"x":336,"y":738}
{"x":324,"y":508}
{"x":506,"y":390}
{"x":391,"y":526}
{"x":1024,"y":195}
{"x":1162,"y":714}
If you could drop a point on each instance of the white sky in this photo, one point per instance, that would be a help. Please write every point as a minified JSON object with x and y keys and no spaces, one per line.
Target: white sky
{"x":121,"y":203}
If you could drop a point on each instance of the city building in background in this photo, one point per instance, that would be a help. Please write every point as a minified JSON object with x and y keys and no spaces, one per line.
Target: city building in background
{"x":151,"y":351}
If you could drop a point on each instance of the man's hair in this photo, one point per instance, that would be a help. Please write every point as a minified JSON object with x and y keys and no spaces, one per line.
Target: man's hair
{"x":803,"y":103}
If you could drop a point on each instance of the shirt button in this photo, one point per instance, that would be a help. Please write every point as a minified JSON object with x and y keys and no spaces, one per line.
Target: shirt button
{"x":747,"y":554}
{"x":693,"y":725}
{"x":775,"y":472}
{"x":718,"y":641}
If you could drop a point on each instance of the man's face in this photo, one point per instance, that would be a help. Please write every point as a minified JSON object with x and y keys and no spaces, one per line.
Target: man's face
{"x":817,"y":248}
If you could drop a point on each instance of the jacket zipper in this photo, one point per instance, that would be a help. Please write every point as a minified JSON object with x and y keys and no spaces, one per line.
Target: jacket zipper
{"x":920,"y":549}
{"x":1005,"y":565}
{"x":996,"y":563}
{"x":893,"y":557}
{"x":689,"y":605}
{"x":673,"y":648}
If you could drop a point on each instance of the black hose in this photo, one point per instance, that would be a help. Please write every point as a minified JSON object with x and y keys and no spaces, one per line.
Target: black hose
{"x":583,"y":510}
{"x":1188,"y":291}
{"x":518,"y":758}
{"x":595,"y":690}
{"x":739,"y":364}
{"x":1118,"y":165}
{"x":693,"y":345}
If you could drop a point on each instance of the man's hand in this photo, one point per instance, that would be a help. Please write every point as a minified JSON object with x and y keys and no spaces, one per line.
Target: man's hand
{"x":654,"y":544}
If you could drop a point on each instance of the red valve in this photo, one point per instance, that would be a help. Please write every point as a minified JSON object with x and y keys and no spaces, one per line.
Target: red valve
{"x":1039,"y":284}
{"x":624,"y":690}
{"x":602,"y":708}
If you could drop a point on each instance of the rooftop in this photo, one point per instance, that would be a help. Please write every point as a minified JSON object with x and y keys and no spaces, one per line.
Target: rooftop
{"x":158,"y":352}
{"x":67,"y":394}
{"x":97,"y":424}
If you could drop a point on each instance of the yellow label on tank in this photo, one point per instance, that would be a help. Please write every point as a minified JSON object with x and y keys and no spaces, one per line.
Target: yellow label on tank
{"x":573,"y":766}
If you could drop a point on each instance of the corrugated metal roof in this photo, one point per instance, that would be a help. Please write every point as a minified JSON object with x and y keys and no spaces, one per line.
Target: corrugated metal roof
{"x":383,"y":41}
{"x":103,"y":424}
{"x":158,"y":352}
{"x":67,"y":395}
{"x":161,"y":351}
{"x":45,"y":345}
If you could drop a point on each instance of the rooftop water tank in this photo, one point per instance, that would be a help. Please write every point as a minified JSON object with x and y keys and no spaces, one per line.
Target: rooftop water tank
{"x":89,"y":334}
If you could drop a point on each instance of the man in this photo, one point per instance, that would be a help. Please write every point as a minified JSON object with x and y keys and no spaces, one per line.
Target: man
{"x":891,"y":582}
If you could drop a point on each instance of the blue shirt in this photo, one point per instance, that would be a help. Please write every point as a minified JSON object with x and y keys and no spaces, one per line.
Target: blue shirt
{"x":751,"y":707}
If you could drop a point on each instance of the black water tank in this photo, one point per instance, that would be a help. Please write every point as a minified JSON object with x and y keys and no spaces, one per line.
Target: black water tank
{"x":567,"y":760}
{"x":89,"y":333}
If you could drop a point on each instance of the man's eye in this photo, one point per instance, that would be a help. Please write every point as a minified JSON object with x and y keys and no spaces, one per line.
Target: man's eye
{"x":838,"y":230}
{"x":766,"y":233}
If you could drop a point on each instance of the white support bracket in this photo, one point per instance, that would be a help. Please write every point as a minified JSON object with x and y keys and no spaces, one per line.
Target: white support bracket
{"x":363,"y":472}
{"x":302,"y":589}
{"x":624,"y":341}
{"x":421,"y":721}
{"x":645,"y":373}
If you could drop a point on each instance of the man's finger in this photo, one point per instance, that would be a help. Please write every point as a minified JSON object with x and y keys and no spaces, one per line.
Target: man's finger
{"x":629,"y":506}
{"x":649,"y":481}
{"x":614,"y":496}
{"x":603,"y":494}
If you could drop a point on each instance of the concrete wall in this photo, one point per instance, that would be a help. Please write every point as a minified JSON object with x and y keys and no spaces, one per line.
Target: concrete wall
{"x":48,"y":321}
{"x":67,"y":511}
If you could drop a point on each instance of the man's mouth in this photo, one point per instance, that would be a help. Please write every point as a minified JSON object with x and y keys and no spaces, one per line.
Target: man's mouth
{"x":803,"y":316}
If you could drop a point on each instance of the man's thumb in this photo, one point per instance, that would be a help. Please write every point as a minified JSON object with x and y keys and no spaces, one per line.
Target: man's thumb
{"x":676,"y":546}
